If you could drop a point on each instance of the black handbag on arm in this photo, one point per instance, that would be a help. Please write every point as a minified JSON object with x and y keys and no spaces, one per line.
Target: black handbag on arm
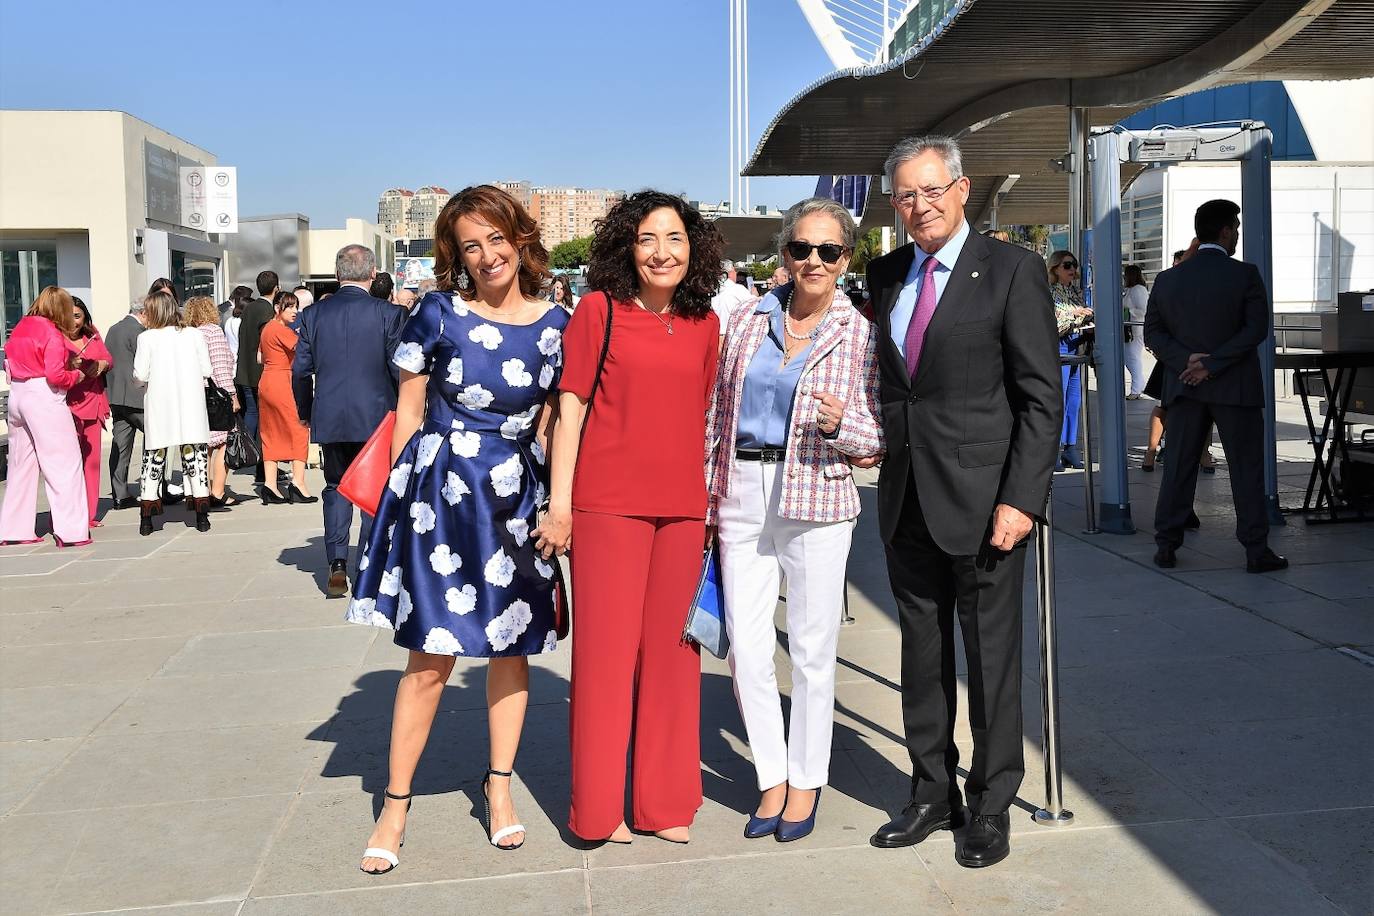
{"x":219,"y":408}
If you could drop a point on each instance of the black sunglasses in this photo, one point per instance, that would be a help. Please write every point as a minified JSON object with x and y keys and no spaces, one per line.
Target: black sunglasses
{"x":830,"y":252}
{"x":1069,"y":265}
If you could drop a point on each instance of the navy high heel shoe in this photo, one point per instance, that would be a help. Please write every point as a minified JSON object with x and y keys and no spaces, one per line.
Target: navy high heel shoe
{"x":761,"y":826}
{"x":795,"y":830}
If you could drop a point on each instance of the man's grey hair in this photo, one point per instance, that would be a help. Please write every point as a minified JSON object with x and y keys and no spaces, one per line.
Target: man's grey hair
{"x":355,"y":264}
{"x":136,"y":307}
{"x":945,"y":146}
{"x":849,"y":233}
{"x":426,"y":287}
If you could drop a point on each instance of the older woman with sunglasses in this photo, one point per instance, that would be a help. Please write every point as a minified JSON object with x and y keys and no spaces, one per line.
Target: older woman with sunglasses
{"x":1074,"y":319}
{"x":796,"y":400}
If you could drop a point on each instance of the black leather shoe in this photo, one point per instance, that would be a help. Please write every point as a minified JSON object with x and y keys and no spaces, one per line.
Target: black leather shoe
{"x":987,"y":841}
{"x":1266,"y":562}
{"x":128,"y":502}
{"x":914,"y":824}
{"x":1193,"y":523}
{"x":338,"y":579}
{"x":1165,"y":558}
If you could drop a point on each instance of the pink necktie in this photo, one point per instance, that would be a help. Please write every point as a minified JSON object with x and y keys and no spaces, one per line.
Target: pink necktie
{"x":920,"y":318}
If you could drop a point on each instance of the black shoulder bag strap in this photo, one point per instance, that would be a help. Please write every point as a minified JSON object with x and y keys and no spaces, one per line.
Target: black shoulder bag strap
{"x":600,"y":362}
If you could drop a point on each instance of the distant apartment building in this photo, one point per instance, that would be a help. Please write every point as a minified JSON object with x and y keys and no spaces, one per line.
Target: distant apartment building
{"x":393,"y":211}
{"x":411,"y":214}
{"x":569,"y":213}
{"x":520,"y":190}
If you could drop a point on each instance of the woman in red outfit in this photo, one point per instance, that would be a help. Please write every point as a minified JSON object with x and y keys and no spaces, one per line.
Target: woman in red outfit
{"x":284,"y":436}
{"x":42,"y":437}
{"x":87,"y":399}
{"x":632,"y":488}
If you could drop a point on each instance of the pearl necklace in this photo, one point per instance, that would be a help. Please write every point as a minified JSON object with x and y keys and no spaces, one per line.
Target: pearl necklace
{"x":667,"y":324}
{"x":787,"y":321}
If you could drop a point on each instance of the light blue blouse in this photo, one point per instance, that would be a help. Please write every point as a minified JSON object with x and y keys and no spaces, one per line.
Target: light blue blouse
{"x":765,"y":407}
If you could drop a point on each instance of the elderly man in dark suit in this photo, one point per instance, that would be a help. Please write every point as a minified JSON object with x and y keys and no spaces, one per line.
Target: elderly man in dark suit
{"x":345,"y":383}
{"x":969,"y":372}
{"x":1204,"y":321}
{"x":126,"y":402}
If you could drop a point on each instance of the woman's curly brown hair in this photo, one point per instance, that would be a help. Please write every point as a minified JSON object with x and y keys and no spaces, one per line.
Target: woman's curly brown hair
{"x":503,"y":213}
{"x":611,"y":266}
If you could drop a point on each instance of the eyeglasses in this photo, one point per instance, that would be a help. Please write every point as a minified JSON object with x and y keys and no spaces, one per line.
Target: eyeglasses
{"x":1068,"y":265}
{"x":829,"y":252}
{"x":907,"y":199}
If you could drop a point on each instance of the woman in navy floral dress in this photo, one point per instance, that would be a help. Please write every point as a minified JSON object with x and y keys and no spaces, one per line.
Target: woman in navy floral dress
{"x":451,"y":565}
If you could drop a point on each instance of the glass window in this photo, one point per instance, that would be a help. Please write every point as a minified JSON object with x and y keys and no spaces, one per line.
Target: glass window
{"x":22,"y":275}
{"x":194,"y":276}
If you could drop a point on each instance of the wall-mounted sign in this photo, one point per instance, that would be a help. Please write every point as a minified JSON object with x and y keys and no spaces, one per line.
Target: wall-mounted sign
{"x":209,"y":198}
{"x":161,"y":181}
{"x":410,"y":271}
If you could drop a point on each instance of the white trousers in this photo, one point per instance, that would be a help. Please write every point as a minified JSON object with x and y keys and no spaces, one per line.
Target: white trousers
{"x":756,"y":549}
{"x":1134,"y":353}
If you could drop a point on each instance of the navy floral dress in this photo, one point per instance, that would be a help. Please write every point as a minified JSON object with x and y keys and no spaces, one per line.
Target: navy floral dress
{"x":450,"y":565}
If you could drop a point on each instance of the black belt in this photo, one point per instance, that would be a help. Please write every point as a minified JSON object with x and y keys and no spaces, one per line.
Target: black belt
{"x":769,"y":455}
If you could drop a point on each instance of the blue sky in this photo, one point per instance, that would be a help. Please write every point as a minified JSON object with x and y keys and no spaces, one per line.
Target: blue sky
{"x":323,"y":105}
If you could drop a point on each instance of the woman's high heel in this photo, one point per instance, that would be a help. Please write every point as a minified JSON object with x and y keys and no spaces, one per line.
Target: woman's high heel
{"x":294,"y":495}
{"x":270,"y":498}
{"x":62,"y":543}
{"x":377,"y":852}
{"x":795,"y":830}
{"x":496,"y":838}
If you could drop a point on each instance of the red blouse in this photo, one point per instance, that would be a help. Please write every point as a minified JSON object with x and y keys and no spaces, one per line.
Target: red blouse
{"x":644,"y":449}
{"x":37,"y":349}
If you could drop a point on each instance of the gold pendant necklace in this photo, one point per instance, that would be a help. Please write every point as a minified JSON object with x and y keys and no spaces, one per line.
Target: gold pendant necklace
{"x":666,"y":324}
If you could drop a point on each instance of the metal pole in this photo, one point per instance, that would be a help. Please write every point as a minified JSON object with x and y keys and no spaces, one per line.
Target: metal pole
{"x":845,"y":618}
{"x":1257,"y":221}
{"x":1053,"y":814}
{"x":1078,"y":177}
{"x":1089,"y":489}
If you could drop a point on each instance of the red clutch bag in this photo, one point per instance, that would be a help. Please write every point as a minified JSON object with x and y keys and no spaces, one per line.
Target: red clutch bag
{"x":366,"y":477}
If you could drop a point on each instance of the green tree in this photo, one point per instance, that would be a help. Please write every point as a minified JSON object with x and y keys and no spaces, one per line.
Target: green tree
{"x":870,"y":246}
{"x":571,"y":254}
{"x":762,"y":270}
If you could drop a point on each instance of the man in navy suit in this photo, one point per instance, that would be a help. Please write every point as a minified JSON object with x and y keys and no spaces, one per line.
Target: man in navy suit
{"x":344,"y":384}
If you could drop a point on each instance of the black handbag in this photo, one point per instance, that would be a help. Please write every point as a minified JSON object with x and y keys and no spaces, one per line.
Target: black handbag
{"x":240,"y":451}
{"x":219,"y":408}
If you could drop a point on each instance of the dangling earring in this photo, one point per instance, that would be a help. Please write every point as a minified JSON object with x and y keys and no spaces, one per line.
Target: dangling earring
{"x":463,"y":282}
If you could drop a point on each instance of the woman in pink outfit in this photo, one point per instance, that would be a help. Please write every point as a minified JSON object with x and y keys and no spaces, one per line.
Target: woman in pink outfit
{"x":89,"y":404}
{"x":43,"y":438}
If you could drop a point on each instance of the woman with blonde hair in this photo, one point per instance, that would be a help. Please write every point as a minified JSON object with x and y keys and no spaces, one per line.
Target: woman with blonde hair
{"x":43,"y":438}
{"x":173,"y":362}
{"x":201,"y":313}
{"x":1075,"y":321}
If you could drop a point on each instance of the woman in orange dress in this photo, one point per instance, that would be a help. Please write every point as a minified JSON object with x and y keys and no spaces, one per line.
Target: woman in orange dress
{"x":284,"y":436}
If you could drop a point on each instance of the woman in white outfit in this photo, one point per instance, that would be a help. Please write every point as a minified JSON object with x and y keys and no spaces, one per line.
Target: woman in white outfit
{"x":795,"y":400}
{"x":173,"y":362}
{"x":1134,"y":299}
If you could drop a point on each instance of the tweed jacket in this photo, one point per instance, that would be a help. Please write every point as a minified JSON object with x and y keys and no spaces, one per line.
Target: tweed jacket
{"x":818,"y":483}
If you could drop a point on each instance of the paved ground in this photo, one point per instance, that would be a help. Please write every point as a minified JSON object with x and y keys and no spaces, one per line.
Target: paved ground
{"x":187,"y":726}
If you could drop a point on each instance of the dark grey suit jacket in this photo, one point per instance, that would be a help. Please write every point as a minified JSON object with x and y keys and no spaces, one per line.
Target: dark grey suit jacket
{"x":979,"y":425}
{"x":122,"y":342}
{"x":1213,"y":304}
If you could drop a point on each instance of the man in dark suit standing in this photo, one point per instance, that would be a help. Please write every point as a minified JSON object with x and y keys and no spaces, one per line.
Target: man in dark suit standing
{"x":126,"y":402}
{"x":345,"y":383}
{"x":256,"y":314}
{"x":970,"y":389}
{"x":1204,"y":322}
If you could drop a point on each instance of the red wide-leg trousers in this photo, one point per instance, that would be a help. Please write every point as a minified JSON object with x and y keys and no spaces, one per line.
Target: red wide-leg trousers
{"x":633,"y":579}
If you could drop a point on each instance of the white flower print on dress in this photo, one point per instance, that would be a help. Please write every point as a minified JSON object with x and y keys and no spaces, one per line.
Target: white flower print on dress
{"x":537,"y":451}
{"x":506,"y":476}
{"x":465,"y":444}
{"x":455,"y":371}
{"x":546,"y":376}
{"x":400,"y":476}
{"x":486,"y":335}
{"x":475,"y":397}
{"x":444,"y":561}
{"x":428,"y":448}
{"x":403,"y":607}
{"x":549,"y":341}
{"x":391,"y":532}
{"x":461,"y":601}
{"x":539,"y":493}
{"x":460,"y":308}
{"x":364,"y":610}
{"x":500,"y":569}
{"x":410,"y":357}
{"x":439,"y":641}
{"x":520,"y":530}
{"x":503,"y":631}
{"x":513,"y":371}
{"x":423,"y":514}
{"x":544,"y":569}
{"x":454,"y":489}
{"x":363,"y":562}
{"x":517,"y":423}
{"x":551,"y":641}
{"x":391,"y":581}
